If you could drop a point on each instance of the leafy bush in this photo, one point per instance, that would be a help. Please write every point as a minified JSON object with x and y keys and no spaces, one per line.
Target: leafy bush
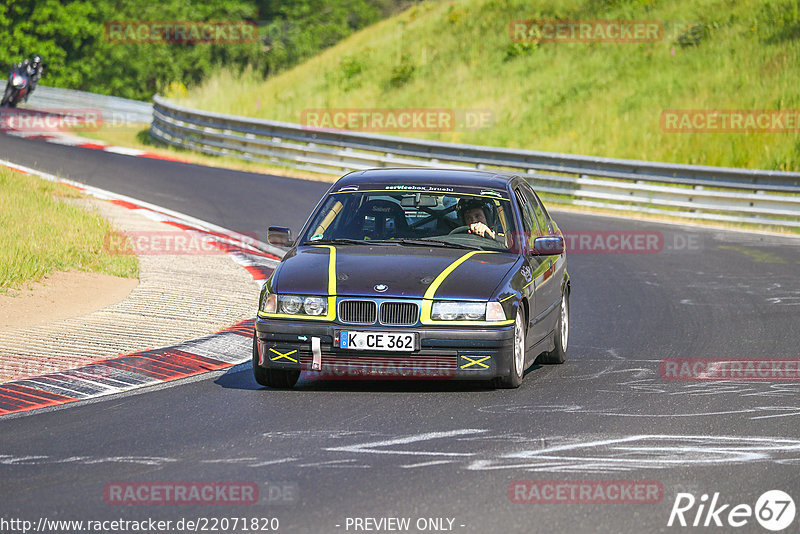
{"x":71,"y":37}
{"x":401,"y":73}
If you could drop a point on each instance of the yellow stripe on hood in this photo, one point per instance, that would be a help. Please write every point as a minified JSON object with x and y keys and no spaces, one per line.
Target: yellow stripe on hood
{"x":427,"y":299}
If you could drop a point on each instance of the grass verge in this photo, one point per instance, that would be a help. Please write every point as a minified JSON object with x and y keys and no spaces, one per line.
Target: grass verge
{"x":43,"y":232}
{"x":594,"y":98}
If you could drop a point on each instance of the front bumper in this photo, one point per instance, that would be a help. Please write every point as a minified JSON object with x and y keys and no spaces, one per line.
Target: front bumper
{"x":458,"y":353}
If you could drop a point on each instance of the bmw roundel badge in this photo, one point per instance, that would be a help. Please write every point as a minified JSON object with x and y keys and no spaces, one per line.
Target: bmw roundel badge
{"x":380,"y":288}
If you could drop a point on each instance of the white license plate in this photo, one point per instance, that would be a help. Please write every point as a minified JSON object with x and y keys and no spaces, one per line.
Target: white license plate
{"x":391,"y":341}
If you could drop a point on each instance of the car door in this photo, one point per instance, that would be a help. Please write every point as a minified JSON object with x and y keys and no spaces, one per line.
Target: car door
{"x":533,"y":267}
{"x":551,"y":271}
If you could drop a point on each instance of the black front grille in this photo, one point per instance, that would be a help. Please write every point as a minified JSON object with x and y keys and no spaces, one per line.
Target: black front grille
{"x":358,"y":311}
{"x":399,"y":313}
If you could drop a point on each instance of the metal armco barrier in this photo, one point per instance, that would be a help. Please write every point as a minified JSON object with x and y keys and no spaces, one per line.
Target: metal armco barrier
{"x":115,"y":110}
{"x":689,"y":191}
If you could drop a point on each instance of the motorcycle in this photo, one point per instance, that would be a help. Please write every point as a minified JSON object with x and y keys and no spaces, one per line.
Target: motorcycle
{"x":17,"y":87}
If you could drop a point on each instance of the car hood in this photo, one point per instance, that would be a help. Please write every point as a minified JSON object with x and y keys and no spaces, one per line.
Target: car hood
{"x":407,"y":272}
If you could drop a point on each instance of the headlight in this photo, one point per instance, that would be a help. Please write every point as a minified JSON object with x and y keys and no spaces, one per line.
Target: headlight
{"x":295,"y":305}
{"x":17,"y":81}
{"x":315,"y":306}
{"x":458,"y":311}
{"x":290,"y":304}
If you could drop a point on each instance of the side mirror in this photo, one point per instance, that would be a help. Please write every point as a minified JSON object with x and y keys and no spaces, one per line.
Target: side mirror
{"x":279,"y":235}
{"x":548,"y":246}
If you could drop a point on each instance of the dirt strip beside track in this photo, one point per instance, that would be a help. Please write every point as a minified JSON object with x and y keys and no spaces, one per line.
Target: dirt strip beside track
{"x":179,"y":297}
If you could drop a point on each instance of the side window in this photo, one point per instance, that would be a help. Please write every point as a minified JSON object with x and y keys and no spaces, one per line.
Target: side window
{"x":547,"y":216}
{"x":543,"y":220}
{"x":528,"y":218}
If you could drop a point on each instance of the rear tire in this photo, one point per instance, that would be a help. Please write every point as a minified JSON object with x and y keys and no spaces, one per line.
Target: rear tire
{"x":273,"y":378}
{"x":517,"y":363}
{"x":559,"y":353}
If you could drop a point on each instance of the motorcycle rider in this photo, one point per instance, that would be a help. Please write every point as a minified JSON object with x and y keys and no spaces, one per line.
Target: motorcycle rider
{"x":31,"y":69}
{"x":34,"y":70}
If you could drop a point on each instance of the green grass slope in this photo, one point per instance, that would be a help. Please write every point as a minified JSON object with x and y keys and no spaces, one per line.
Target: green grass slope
{"x":583,"y":98}
{"x":42,"y":233}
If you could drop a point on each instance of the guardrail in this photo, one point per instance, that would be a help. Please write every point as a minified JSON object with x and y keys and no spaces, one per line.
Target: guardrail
{"x":688,"y":191}
{"x":115,"y":110}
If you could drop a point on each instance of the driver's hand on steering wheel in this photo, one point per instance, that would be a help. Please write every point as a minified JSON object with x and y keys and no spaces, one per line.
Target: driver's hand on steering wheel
{"x":480,"y":229}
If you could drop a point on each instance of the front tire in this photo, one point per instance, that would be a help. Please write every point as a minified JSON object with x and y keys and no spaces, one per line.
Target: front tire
{"x":559,"y":353}
{"x":517,"y":364}
{"x":273,"y":378}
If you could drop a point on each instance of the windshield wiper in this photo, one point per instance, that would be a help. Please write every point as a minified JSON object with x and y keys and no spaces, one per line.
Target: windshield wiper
{"x":403,"y":241}
{"x":338,"y":241}
{"x":436,"y":242}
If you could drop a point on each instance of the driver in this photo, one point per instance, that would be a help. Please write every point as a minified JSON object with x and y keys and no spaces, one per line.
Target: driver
{"x":475,"y":214}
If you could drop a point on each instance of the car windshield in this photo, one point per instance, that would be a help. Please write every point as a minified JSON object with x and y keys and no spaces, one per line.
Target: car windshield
{"x":413,"y":218}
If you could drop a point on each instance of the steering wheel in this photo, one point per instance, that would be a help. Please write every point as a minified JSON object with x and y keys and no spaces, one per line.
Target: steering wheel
{"x":465,"y":230}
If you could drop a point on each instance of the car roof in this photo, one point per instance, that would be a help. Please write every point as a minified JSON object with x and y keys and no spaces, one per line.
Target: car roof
{"x":424,"y":176}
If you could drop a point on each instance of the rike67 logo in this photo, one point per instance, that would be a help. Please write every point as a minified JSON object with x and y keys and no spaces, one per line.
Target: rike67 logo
{"x":774,"y":510}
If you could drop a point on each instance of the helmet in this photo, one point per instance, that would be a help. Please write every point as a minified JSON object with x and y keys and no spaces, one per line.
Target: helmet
{"x":36,"y":60}
{"x":466,"y":204}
